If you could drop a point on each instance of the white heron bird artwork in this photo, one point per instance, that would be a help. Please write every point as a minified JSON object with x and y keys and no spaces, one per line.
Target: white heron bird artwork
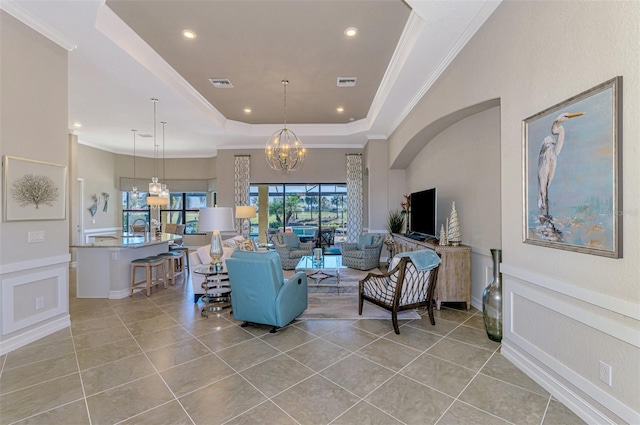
{"x":571,"y":172}
{"x":547,"y":161}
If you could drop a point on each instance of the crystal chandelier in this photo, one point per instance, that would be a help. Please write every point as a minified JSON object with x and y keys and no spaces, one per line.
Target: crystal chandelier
{"x":284,"y":151}
{"x":154,"y":186}
{"x":134,"y":190}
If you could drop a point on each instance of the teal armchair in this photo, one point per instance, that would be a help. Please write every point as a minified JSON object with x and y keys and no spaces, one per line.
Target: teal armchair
{"x":259,"y":291}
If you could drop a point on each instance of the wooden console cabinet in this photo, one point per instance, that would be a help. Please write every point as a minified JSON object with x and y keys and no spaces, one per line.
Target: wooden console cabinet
{"x":454,"y":274}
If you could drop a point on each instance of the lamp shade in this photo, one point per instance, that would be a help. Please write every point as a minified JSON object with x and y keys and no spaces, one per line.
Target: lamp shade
{"x":216,"y":218}
{"x":155,"y":201}
{"x":245,"y":211}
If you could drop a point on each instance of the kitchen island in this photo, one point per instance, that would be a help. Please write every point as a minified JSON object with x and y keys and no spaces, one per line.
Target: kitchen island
{"x":104,"y":265}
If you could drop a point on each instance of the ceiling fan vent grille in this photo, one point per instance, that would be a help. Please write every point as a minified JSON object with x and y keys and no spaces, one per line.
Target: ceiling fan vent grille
{"x":347,"y":81}
{"x":221,"y":83}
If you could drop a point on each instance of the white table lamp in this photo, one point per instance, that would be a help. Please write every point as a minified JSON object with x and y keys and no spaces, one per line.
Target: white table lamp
{"x":246,"y":212}
{"x":216,"y":220}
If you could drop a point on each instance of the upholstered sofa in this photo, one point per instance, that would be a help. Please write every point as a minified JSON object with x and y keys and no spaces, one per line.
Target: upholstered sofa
{"x":202,"y":257}
{"x":364,"y":254}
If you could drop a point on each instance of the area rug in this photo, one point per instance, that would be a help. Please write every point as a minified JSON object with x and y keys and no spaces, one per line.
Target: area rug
{"x":332,"y":306}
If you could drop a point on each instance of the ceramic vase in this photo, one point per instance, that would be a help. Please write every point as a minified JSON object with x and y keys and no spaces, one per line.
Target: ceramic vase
{"x":492,"y":300}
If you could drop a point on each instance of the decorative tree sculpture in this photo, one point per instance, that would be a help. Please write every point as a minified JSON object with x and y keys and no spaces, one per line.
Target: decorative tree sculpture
{"x":454,"y":235}
{"x":443,"y":236}
{"x":37,"y":190}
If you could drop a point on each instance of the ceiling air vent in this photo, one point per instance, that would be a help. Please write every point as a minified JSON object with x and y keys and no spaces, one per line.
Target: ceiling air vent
{"x":347,"y":81}
{"x":221,"y":83}
{"x":145,"y":135}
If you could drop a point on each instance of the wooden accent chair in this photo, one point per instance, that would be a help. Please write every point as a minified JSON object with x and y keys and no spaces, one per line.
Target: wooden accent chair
{"x":405,"y":287}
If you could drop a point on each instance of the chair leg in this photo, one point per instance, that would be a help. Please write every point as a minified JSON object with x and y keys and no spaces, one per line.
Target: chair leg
{"x":430,"y":310}
{"x":360,"y":302}
{"x":273,"y":330}
{"x":149,"y":274}
{"x":394,"y":319}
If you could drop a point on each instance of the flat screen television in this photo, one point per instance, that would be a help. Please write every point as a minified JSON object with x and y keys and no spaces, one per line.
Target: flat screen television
{"x":424,"y":212}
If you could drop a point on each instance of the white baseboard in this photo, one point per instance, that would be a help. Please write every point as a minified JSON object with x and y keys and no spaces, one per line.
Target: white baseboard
{"x":46,"y":329}
{"x":564,"y":394}
{"x":120,"y":294}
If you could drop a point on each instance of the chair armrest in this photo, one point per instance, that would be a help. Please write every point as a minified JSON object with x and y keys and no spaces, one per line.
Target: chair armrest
{"x":349,"y":246}
{"x":293,"y":295}
{"x":306,"y":245}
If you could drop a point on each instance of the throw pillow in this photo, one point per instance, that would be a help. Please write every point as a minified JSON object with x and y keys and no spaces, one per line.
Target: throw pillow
{"x":292,"y":240}
{"x":247,"y":245}
{"x":364,"y":240}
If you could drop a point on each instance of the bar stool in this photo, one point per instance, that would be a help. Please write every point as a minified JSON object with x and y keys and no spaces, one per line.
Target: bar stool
{"x":185,"y":251}
{"x":151,"y":279}
{"x":176,"y":264}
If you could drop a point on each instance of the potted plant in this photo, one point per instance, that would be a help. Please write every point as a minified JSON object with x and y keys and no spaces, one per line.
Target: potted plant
{"x":395,"y":221}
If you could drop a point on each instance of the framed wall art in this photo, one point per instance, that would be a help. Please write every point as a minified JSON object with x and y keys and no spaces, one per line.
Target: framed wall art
{"x":33,"y":190}
{"x":571,"y":154}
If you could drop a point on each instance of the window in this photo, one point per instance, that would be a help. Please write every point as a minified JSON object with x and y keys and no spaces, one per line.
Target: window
{"x":183,"y":209}
{"x":303,"y":207}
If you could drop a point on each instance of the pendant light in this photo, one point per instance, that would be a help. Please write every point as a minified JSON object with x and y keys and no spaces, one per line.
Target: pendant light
{"x":154,"y":186}
{"x":164,"y":192}
{"x":134,"y":190}
{"x":284,"y":151}
{"x":154,"y":200}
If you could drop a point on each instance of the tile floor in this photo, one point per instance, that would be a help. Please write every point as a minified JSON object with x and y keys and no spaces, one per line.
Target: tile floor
{"x":156,"y":360}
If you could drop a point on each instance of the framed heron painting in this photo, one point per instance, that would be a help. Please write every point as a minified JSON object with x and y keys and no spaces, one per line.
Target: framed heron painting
{"x":571,"y":155}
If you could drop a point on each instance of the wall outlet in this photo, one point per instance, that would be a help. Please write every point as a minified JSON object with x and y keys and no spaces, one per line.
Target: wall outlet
{"x":39,"y":303}
{"x":604,"y":373}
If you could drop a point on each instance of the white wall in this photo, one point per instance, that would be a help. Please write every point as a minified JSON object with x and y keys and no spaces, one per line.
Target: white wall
{"x":32,"y":126}
{"x":564,"y":311}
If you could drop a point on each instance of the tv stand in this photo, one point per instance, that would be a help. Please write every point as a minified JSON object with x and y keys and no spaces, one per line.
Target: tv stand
{"x":454,"y":273}
{"x":415,"y":236}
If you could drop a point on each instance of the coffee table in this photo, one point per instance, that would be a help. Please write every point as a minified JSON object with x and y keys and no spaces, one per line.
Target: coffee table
{"x":328,"y":266}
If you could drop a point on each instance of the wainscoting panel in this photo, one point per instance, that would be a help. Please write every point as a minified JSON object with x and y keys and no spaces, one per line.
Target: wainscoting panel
{"x":35,"y":300}
{"x":39,"y":284}
{"x":557,"y":332}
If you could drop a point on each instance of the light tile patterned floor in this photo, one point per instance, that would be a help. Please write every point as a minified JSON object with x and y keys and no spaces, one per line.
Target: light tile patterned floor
{"x":156,"y":360}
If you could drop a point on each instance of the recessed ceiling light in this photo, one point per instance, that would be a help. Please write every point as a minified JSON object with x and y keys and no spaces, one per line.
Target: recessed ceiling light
{"x":340,"y":109}
{"x":188,"y":34}
{"x":77,"y":124}
{"x":351,"y":32}
{"x":247,"y":110}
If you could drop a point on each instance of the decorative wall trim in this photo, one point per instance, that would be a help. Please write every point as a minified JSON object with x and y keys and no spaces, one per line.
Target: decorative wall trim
{"x":46,"y":329}
{"x":36,"y":263}
{"x":616,"y":305}
{"x":9,"y":285}
{"x":577,"y":404}
{"x":514,"y":343}
{"x":18,"y":12}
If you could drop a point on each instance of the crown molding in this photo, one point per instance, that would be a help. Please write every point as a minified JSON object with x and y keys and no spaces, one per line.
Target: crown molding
{"x":478,"y":20}
{"x":114,"y":28}
{"x":14,"y":9}
{"x":410,"y":35}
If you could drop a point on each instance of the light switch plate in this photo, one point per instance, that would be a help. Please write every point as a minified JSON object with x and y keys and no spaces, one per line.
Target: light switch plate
{"x":36,"y":236}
